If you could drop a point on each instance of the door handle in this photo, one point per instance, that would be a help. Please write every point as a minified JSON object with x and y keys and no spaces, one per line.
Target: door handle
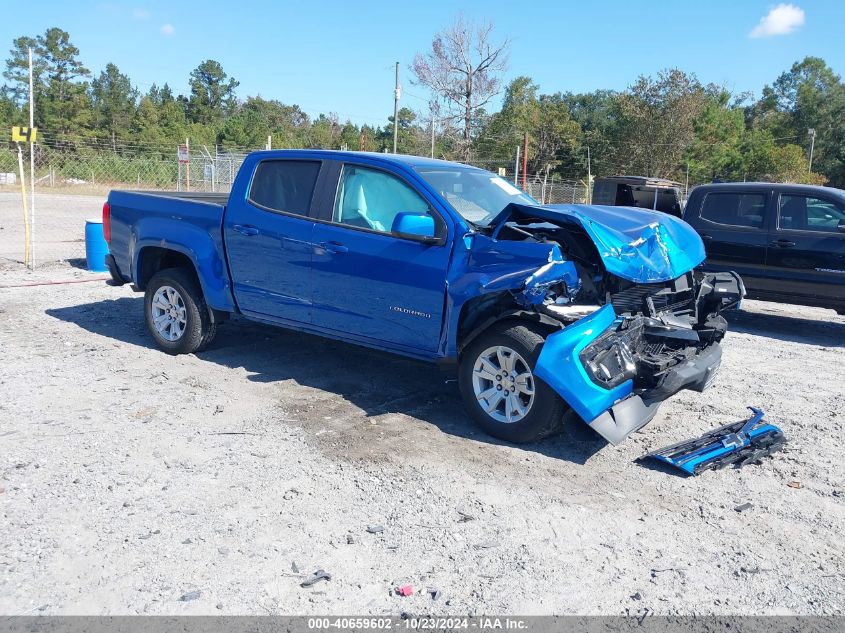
{"x":334,"y":247}
{"x":782,"y":243}
{"x":245,"y":229}
{"x":706,"y":237}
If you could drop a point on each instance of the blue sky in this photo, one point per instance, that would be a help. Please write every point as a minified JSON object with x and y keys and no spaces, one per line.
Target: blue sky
{"x":339,"y":56}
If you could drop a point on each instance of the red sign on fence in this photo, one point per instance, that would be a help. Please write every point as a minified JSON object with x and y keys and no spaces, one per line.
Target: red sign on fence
{"x":182,"y":154}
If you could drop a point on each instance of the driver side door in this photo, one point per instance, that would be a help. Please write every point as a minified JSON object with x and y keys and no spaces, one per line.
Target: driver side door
{"x":367,"y":282}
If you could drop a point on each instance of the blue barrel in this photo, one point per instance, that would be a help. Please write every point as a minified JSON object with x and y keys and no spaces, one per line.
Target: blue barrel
{"x":96,"y":248}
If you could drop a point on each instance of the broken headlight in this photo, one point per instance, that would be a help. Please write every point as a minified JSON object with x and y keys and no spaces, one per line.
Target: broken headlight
{"x":609,"y":366}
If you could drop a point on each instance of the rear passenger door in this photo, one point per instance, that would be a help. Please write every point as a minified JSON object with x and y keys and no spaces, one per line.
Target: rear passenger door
{"x":733,"y":226}
{"x":807,"y":249}
{"x":268,"y":240}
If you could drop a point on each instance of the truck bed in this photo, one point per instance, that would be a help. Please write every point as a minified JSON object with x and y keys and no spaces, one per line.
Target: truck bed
{"x":191,"y":196}
{"x":191,"y":221}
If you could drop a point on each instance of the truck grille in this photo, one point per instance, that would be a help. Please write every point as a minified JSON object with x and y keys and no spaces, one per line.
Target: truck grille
{"x":632,"y":299}
{"x":676,"y":302}
{"x":675,"y":296}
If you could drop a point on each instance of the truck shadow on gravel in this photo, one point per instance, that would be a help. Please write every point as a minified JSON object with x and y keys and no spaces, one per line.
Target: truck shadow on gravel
{"x":788,"y":328}
{"x":377,"y":383}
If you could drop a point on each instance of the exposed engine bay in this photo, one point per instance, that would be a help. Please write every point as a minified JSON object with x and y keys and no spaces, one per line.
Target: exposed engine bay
{"x":661,"y":326}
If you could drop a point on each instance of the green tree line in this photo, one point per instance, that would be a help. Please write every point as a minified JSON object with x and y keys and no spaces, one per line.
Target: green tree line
{"x":673,"y":126}
{"x":669,"y":125}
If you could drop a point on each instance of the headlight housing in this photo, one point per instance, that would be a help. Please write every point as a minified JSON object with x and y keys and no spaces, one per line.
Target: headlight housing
{"x":611,"y":365}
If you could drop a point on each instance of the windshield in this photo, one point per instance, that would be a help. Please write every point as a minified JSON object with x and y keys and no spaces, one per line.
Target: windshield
{"x":477,"y":195}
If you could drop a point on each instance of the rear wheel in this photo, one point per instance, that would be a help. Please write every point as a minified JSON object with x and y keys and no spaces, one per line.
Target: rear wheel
{"x":499,"y":388}
{"x":176,"y":313}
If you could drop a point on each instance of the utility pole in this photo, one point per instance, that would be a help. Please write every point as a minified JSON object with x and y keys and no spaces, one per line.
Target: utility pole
{"x":545,"y":180}
{"x":396,"y":94}
{"x":516,"y":168}
{"x":524,"y":160}
{"x":269,"y":141}
{"x":812,"y":134}
{"x":432,"y":136}
{"x":31,"y":167}
{"x":589,"y":178}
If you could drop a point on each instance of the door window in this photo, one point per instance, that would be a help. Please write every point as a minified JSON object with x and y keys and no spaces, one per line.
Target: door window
{"x":284,"y":185}
{"x":735,"y":209}
{"x":806,"y":213}
{"x":371,"y":199}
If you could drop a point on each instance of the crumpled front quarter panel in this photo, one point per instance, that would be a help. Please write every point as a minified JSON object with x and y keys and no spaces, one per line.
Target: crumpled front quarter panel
{"x":482,"y":265}
{"x":504,"y":264}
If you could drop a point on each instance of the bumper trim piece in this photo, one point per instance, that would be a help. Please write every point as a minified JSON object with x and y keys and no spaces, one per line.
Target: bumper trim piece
{"x":623,"y":418}
{"x":116,"y":278}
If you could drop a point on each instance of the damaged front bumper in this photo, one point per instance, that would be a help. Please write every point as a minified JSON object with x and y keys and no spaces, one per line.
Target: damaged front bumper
{"x":614,"y":370}
{"x":628,"y":415}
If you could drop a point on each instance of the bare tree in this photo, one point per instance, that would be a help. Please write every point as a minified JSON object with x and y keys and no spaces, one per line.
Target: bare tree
{"x":464,"y":68}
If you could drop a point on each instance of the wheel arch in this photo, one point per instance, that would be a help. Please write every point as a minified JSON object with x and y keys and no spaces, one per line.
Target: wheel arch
{"x":481,"y":313}
{"x":152,"y":259}
{"x":151,"y":254}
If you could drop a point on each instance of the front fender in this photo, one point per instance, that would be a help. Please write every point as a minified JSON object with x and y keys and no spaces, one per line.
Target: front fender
{"x":482,"y":266}
{"x":193,"y":242}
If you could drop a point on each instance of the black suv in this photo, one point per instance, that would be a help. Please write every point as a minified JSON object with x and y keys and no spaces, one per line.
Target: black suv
{"x":786,"y":241}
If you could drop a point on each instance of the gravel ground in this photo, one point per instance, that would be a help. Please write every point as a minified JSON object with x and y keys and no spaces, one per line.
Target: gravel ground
{"x":135,"y":482}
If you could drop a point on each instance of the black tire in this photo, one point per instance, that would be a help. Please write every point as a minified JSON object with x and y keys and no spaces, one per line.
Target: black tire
{"x":200,"y":325}
{"x":544,"y":417}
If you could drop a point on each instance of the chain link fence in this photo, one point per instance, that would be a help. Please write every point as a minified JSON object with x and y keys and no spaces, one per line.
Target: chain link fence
{"x":547,"y":189}
{"x":72,"y":180}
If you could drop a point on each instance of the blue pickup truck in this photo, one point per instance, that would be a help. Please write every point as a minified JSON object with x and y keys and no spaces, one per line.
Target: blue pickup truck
{"x":541,"y":309}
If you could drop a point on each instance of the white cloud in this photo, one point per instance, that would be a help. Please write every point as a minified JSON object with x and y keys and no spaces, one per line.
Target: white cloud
{"x":781,"y":20}
{"x":167,"y":29}
{"x":140,"y":14}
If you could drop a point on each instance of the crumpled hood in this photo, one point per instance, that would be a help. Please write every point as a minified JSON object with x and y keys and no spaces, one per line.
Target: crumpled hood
{"x":636,"y":244}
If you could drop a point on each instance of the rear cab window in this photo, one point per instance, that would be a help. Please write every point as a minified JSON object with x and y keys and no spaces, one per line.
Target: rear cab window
{"x":285,"y":186}
{"x":735,"y":209}
{"x":799,"y":212}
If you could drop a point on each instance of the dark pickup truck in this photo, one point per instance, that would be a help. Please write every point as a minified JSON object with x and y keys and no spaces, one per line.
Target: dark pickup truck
{"x":786,"y":241}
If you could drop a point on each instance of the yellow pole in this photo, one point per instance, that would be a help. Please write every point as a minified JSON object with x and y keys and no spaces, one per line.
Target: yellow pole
{"x":26,"y":256}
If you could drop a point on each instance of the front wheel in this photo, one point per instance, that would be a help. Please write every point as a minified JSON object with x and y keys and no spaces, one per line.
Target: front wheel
{"x":499,"y":388}
{"x":176,"y":313}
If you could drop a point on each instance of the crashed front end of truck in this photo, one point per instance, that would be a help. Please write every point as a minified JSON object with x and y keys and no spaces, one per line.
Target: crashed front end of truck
{"x":634,"y":322}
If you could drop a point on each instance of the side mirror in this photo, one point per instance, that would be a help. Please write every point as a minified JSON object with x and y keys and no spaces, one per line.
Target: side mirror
{"x":415,"y":226}
{"x":841,"y":226}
